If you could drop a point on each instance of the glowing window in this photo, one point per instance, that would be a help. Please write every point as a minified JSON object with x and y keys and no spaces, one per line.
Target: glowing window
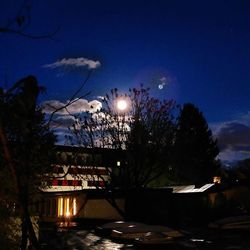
{"x":67,"y":211}
{"x":60,"y":207}
{"x":74,"y":206}
{"x":67,"y":207}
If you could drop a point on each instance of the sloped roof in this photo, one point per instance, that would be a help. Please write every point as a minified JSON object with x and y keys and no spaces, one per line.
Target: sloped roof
{"x":192,"y":188}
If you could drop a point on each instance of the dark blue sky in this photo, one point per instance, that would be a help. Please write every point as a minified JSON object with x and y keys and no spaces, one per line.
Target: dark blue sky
{"x":200,"y":48}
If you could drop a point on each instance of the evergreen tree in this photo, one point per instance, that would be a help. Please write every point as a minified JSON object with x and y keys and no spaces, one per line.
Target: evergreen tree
{"x":195,"y":148}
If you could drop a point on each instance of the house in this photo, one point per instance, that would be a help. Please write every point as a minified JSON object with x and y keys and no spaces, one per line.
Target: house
{"x":76,"y":188}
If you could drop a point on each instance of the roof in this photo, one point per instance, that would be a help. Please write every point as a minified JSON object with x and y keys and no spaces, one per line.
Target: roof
{"x":191,"y":188}
{"x":80,"y":149}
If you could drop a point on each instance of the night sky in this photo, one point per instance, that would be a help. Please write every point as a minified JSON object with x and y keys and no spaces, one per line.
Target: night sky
{"x":191,"y":51}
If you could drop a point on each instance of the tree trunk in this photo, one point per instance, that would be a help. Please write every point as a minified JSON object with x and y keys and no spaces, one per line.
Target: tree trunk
{"x":24,"y":238}
{"x":27,"y":229}
{"x":32,"y":236}
{"x":26,"y":221}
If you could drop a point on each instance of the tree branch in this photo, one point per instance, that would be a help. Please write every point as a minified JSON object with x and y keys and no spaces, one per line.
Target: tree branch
{"x":73,"y":98}
{"x":21,"y":33}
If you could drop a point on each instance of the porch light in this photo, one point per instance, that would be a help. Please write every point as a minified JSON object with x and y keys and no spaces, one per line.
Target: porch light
{"x":217,"y":179}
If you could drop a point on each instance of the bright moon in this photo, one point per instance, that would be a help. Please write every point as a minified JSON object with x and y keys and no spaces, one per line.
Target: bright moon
{"x":122,"y":105}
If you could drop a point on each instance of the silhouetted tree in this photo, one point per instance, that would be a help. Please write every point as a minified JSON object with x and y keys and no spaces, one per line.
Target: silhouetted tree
{"x":145,"y":130}
{"x":26,"y":145}
{"x":150,"y":138}
{"x":195,"y":148}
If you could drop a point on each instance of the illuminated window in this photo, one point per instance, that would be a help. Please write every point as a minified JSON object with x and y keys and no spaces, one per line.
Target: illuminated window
{"x":67,"y":211}
{"x":74,"y":206}
{"x":60,"y":207}
{"x":67,"y":207}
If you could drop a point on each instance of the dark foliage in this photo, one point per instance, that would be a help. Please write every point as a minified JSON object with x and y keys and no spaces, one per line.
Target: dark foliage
{"x":26,"y":148}
{"x":195,"y":148}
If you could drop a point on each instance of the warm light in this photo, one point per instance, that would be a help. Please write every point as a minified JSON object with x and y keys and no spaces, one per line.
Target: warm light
{"x":122,"y":104}
{"x":66,"y":207}
{"x":74,"y":206}
{"x":67,"y":211}
{"x":60,"y":207}
{"x":217,"y":179}
{"x":118,"y":164}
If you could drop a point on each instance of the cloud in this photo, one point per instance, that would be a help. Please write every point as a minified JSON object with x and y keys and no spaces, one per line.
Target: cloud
{"x":74,"y":62}
{"x":235,"y":135}
{"x":63,"y":121}
{"x":65,"y":117}
{"x":77,"y":106}
{"x":233,"y":138}
{"x":163,"y":79}
{"x":63,"y":136}
{"x":231,"y":156}
{"x":245,"y":118}
{"x":100,"y":97}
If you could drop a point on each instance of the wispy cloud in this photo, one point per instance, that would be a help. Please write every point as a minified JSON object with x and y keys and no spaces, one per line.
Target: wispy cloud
{"x":74,"y":62}
{"x":77,"y":106}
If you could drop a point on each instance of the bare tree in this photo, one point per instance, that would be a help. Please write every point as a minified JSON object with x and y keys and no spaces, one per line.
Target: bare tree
{"x":142,"y":133}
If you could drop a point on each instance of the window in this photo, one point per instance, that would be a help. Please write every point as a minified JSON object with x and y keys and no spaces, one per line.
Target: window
{"x":60,"y":207}
{"x":67,"y":207}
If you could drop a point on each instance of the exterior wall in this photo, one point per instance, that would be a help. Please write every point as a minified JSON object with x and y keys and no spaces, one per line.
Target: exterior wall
{"x":101,"y":209}
{"x":74,"y":205}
